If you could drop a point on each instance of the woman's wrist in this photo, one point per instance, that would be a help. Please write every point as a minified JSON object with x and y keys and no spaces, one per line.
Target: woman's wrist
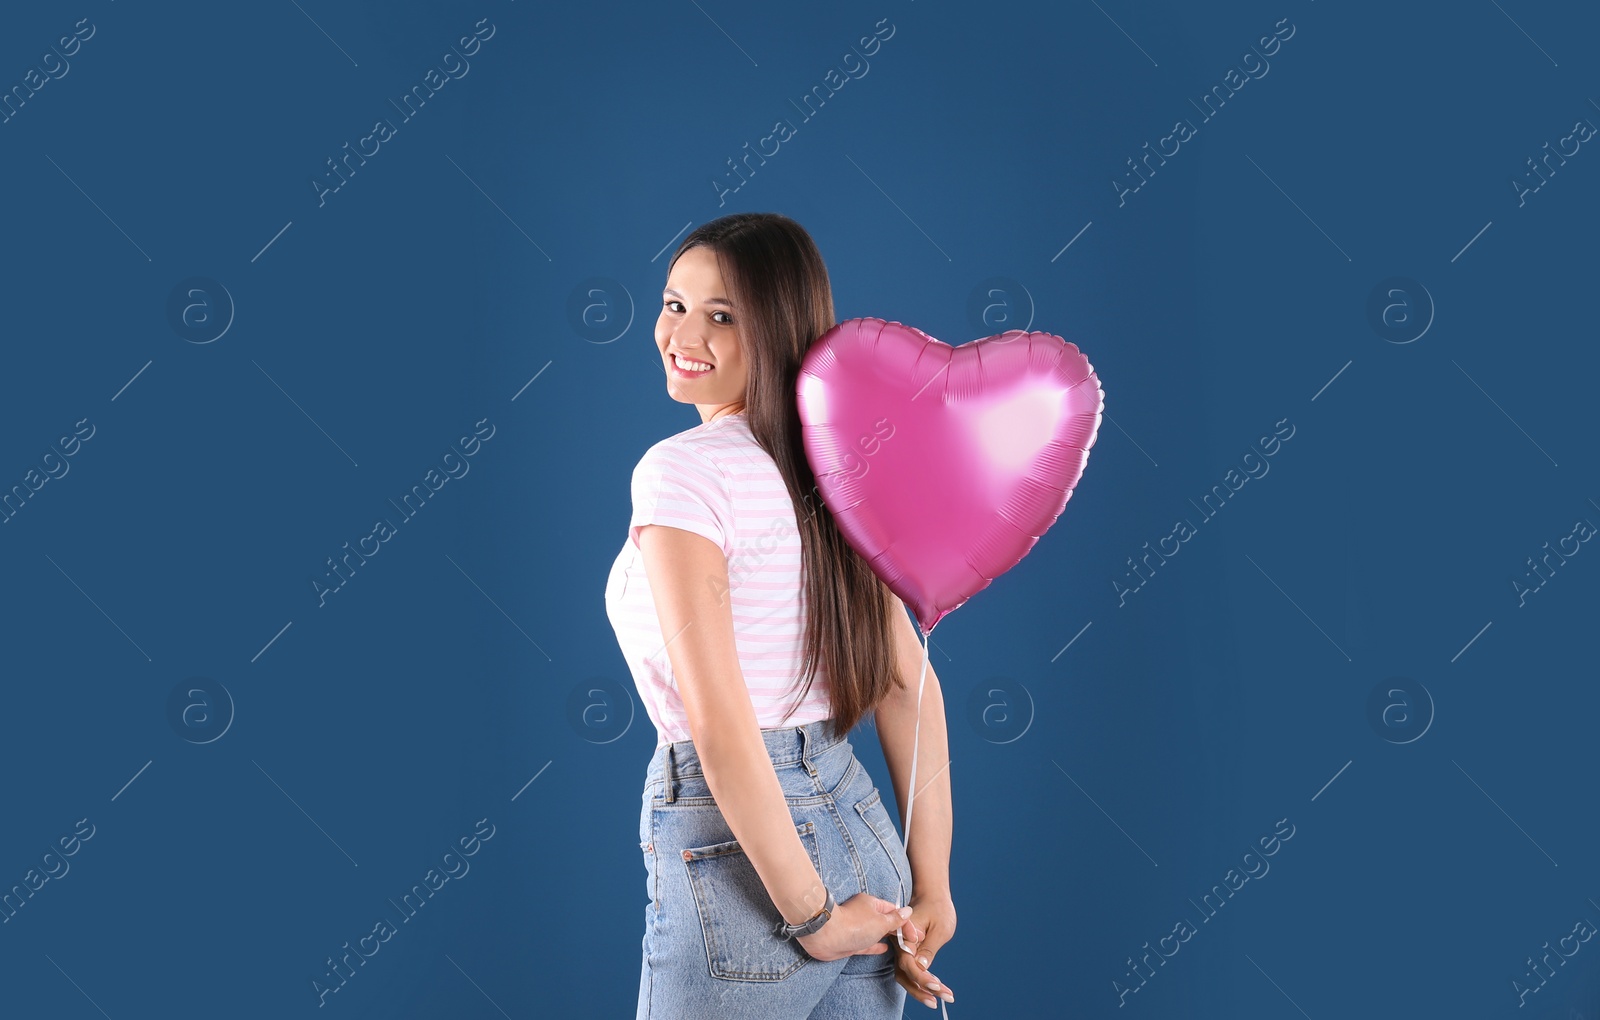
{"x":802,"y":908}
{"x":811,"y":925}
{"x":928,"y":887}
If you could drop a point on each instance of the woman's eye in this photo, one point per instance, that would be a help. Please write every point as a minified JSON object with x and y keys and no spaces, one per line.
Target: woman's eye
{"x":676,"y":307}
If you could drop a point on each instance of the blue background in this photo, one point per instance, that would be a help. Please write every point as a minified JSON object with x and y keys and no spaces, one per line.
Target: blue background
{"x":1112,"y":757}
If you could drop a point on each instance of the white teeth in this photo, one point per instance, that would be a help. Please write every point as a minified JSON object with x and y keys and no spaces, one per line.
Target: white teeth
{"x":691,"y":366}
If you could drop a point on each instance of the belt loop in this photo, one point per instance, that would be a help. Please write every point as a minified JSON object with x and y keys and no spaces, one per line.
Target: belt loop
{"x":671,"y":778}
{"x":805,"y":751}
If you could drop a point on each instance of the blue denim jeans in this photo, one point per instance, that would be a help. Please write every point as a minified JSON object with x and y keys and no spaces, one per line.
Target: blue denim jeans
{"x":709,"y":947}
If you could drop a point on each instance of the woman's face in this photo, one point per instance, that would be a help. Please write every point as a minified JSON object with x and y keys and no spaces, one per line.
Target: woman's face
{"x":699,"y":323}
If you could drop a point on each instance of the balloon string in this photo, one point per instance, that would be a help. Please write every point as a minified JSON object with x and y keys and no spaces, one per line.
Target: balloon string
{"x":911,"y":799}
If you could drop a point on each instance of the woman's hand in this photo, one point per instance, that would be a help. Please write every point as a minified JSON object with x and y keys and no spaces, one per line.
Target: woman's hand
{"x":857,"y":927}
{"x":931,"y":925}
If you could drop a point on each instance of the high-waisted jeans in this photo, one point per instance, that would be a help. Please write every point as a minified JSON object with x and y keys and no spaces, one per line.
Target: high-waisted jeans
{"x":709,"y":946}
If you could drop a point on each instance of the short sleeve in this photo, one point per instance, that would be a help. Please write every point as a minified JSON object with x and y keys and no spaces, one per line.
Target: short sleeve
{"x":681,"y":487}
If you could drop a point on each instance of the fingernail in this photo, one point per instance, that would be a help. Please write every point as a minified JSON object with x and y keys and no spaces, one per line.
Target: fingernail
{"x":923,"y":960}
{"x":934,"y":986}
{"x":905,"y":911}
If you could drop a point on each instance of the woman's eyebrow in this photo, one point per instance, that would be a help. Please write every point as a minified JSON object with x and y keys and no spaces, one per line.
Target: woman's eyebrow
{"x":709,"y":301}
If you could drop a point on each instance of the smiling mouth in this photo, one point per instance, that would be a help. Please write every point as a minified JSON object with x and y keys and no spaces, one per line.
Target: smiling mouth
{"x":689,"y":367}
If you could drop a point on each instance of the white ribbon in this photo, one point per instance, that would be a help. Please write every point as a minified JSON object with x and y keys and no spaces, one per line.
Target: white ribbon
{"x":911,"y":799}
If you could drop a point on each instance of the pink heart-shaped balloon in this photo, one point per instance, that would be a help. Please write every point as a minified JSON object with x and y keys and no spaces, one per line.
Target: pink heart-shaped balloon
{"x":944,"y":465}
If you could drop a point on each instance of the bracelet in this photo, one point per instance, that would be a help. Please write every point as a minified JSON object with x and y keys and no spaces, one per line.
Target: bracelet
{"x":790,"y":931}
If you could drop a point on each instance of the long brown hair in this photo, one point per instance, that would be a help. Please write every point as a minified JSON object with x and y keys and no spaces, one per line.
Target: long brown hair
{"x":780,"y":290}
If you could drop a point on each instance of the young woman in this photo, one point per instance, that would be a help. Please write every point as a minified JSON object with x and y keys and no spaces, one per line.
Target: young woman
{"x":758,"y":639}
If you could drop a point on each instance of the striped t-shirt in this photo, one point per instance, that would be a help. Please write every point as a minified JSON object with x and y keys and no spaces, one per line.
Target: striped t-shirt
{"x":715,"y":480}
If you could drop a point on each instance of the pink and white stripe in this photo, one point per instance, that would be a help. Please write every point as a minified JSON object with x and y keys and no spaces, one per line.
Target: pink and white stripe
{"x":716,"y":481}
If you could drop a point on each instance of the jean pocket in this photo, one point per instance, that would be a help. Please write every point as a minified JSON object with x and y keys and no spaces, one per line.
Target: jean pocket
{"x":876,"y":816}
{"x":738,"y":917}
